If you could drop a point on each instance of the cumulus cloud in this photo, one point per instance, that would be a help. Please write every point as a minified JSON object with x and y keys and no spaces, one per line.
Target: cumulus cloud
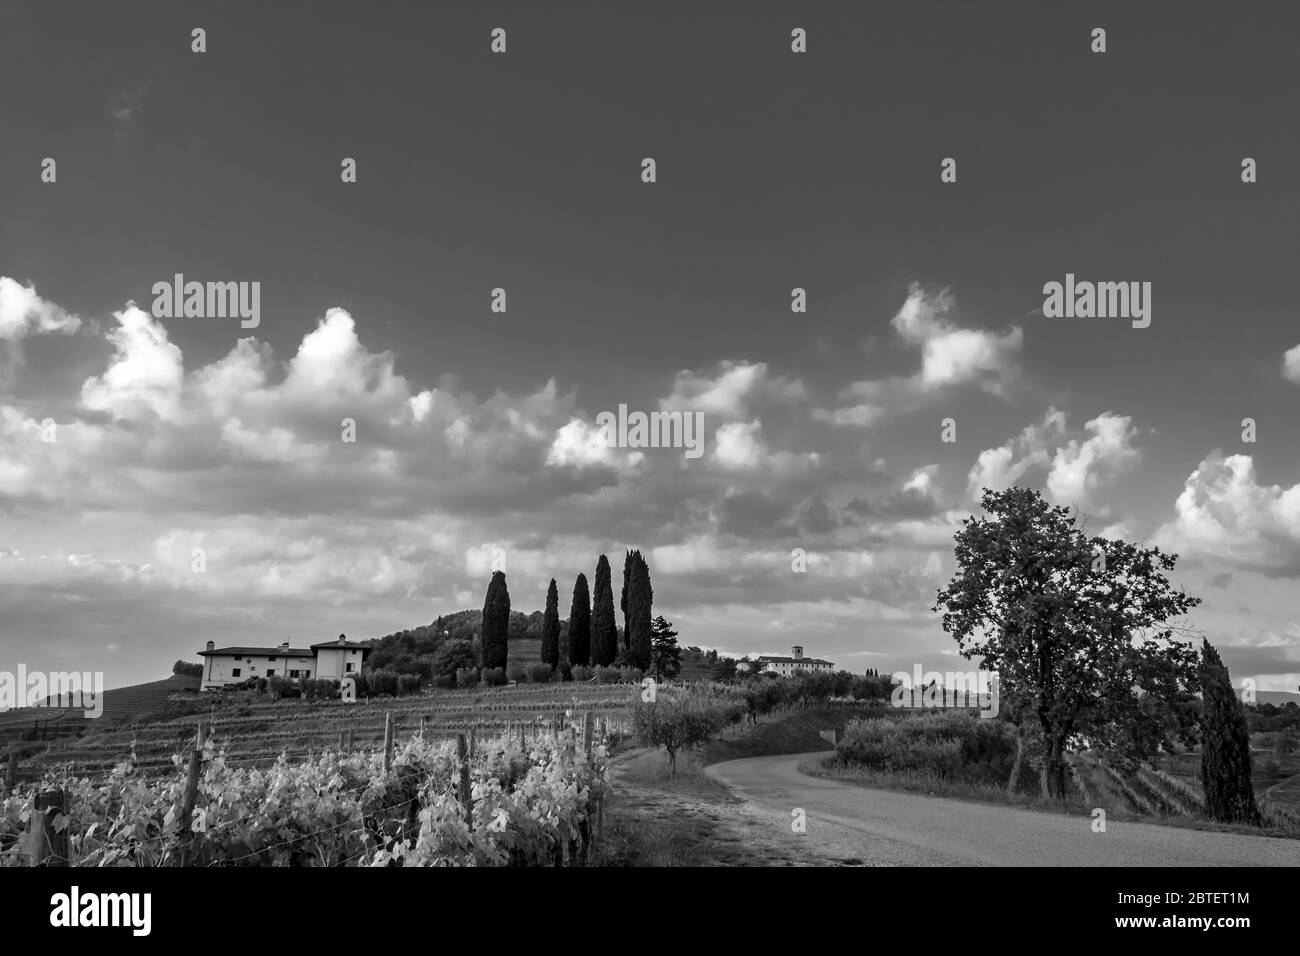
{"x":145,"y":375}
{"x":23,"y":312}
{"x":1075,"y":467}
{"x":1226,"y":515}
{"x":952,"y":355}
{"x":1291,"y":364}
{"x":731,"y":390}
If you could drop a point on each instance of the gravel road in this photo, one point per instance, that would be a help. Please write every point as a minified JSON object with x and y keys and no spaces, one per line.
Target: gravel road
{"x":861,"y":826}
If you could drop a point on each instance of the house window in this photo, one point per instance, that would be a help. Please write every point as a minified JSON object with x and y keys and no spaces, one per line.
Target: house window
{"x":270,"y":672}
{"x":239,"y":657}
{"x":349,"y":667}
{"x":234,"y":671}
{"x":270,"y":658}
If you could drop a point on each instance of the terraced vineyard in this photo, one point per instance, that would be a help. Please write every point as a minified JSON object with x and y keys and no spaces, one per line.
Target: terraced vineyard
{"x":256,"y":730}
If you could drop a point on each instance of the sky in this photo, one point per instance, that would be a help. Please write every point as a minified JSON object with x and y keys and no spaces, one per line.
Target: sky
{"x":475,"y":430}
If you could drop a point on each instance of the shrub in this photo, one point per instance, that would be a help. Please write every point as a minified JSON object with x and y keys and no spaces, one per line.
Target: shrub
{"x":633,"y":674}
{"x":187,"y":669}
{"x":467,"y":677}
{"x":581,"y":673}
{"x":945,"y":743}
{"x":444,"y":681}
{"x":607,"y":675}
{"x":565,"y":671}
{"x":382,"y":681}
{"x":539,"y":673}
{"x":516,"y":672}
{"x":494,"y":676}
{"x":408,"y":683}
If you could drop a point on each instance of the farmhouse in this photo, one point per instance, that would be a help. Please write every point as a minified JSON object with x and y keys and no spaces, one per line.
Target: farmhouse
{"x":329,"y":660}
{"x":786,"y":666}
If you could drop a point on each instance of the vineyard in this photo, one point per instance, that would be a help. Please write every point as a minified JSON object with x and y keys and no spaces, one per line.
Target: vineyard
{"x":255,"y":730}
{"x":514,"y":800}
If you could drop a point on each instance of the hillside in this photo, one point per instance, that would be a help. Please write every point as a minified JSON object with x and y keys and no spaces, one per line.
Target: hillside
{"x":257,"y":729}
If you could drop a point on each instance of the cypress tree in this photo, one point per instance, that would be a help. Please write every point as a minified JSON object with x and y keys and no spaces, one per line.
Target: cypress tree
{"x":627,"y":575}
{"x":580,"y":623}
{"x":496,"y":621}
{"x":604,"y":629}
{"x":639,"y":598}
{"x":1225,"y":745}
{"x":551,"y":627}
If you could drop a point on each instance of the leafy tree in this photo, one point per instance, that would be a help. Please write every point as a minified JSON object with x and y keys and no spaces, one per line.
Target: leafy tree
{"x":683,"y":721}
{"x":1225,"y":745}
{"x":452,"y":657}
{"x":724,"y":669}
{"x":665,"y":655}
{"x":580,"y":623}
{"x":496,"y":622}
{"x":639,"y":598}
{"x":1075,"y":627}
{"x":187,"y":669}
{"x":551,"y":627}
{"x":604,"y":629}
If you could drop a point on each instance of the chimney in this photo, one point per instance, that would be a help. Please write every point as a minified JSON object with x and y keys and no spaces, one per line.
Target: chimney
{"x":284,"y":645}
{"x":211,"y":645}
{"x":796,"y":652}
{"x":342,"y":640}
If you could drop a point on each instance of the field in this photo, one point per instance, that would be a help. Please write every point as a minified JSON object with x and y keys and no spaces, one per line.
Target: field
{"x":255,"y":730}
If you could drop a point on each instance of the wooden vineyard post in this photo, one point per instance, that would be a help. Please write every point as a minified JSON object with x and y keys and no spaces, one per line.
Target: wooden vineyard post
{"x":340,"y":740}
{"x":11,"y":777}
{"x":472,"y":741}
{"x":423,"y":721}
{"x":465,"y":795}
{"x":189,"y":797}
{"x":388,"y":741}
{"x":49,"y":842}
{"x":347,"y":746}
{"x":523,"y":744}
{"x":588,"y":724}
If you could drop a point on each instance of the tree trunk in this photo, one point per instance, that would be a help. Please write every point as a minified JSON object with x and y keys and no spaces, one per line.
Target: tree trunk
{"x":1054,"y":770}
{"x":1014,"y":782}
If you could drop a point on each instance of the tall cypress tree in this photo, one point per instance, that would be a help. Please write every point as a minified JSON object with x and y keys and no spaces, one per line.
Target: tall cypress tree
{"x":639,"y":598}
{"x":580,"y":623}
{"x":604,"y":629}
{"x":551,"y":627}
{"x":1225,"y":745}
{"x":496,"y":621}
{"x":627,"y":576}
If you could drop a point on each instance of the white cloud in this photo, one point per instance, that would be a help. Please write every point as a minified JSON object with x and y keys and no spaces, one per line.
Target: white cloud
{"x":731,"y":390}
{"x":951,"y":355}
{"x":1078,"y":468}
{"x":1291,"y":364}
{"x":739,"y":445}
{"x":1225,"y":515}
{"x":23,"y":312}
{"x":145,"y":375}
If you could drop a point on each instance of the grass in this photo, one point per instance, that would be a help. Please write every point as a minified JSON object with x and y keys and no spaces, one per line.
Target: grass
{"x":654,"y":819}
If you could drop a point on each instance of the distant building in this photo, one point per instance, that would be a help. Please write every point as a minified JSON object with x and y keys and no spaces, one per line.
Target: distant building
{"x":786,"y":666}
{"x":329,"y":660}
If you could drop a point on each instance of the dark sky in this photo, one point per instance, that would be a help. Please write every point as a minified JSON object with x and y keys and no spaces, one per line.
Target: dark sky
{"x":522,"y":171}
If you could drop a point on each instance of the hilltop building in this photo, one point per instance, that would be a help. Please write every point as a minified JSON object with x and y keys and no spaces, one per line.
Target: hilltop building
{"x":329,"y":660}
{"x":786,"y":666}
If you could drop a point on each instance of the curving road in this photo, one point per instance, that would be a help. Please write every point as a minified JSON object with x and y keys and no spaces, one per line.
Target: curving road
{"x":858,"y":825}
